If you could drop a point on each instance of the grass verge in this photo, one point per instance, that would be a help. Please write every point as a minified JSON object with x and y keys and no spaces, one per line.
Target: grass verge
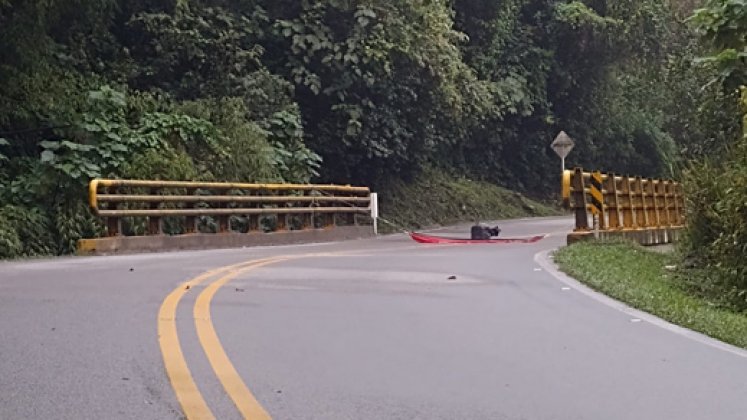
{"x":640,"y":278}
{"x":435,"y":198}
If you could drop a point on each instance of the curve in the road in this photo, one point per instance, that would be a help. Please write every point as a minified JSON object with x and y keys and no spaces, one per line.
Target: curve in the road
{"x":375,"y":332}
{"x":188,"y":394}
{"x":185,"y":388}
{"x":232,"y":383}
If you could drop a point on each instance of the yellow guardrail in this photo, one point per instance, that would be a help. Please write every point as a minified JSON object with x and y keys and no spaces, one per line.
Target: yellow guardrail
{"x":115,"y":199}
{"x":651,"y":210}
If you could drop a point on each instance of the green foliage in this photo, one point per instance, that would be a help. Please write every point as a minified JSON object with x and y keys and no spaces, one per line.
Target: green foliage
{"x":436,"y":198}
{"x":717,"y":222}
{"x":612,"y":74}
{"x":182,"y":51}
{"x":577,"y":15}
{"x":380,"y":84}
{"x":3,"y":142}
{"x":615,"y":87}
{"x":294,"y":161}
{"x":72,"y":221}
{"x":109,"y":132}
{"x":717,"y":187}
{"x":723,"y":23}
{"x":344,"y":91}
{"x":10,"y":243}
{"x":24,"y":232}
{"x":162,"y":164}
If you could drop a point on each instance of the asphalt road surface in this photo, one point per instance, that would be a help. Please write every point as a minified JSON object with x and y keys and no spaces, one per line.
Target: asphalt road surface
{"x":372,"y":329}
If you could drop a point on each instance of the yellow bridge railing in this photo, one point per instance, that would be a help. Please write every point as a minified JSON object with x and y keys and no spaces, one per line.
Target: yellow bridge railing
{"x":650,"y":211}
{"x":289,"y":206}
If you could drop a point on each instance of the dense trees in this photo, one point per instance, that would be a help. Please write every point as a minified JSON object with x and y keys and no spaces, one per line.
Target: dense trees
{"x":717,"y":187}
{"x":358,"y":91}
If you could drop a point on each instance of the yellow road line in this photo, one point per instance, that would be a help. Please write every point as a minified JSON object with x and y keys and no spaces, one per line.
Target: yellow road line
{"x":189,"y":397}
{"x":235,"y":387}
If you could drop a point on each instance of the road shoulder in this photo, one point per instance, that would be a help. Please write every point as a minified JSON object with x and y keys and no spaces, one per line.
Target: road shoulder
{"x":544,"y":259}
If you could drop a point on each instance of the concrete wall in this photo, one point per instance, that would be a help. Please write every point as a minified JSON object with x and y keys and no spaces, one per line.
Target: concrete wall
{"x":155,"y":243}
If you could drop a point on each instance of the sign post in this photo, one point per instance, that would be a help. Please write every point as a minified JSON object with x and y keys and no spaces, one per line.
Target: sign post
{"x":596,"y":192}
{"x":562,"y":145}
{"x":375,"y":212}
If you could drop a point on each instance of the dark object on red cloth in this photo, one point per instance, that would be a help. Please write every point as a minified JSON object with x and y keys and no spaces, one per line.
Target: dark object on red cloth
{"x":480,"y":231}
{"x":430,"y":239}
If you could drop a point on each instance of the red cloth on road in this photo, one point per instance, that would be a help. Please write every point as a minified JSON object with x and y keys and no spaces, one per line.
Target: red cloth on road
{"x":431,"y":239}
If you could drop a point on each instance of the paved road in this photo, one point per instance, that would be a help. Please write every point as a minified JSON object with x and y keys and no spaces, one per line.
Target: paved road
{"x":370,"y":329}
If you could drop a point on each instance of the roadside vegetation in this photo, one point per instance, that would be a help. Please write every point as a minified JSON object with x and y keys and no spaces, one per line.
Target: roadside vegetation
{"x":715,"y":248}
{"x":652,"y":281}
{"x":437,"y":199}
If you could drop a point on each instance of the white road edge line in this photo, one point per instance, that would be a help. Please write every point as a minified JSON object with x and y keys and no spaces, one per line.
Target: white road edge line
{"x":542,"y":258}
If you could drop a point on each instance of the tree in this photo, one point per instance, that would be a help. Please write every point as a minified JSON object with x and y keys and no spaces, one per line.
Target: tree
{"x":717,"y":232}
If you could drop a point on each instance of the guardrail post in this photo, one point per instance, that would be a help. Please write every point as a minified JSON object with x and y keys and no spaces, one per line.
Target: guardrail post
{"x":223,"y":220}
{"x":662,"y":211}
{"x":313,"y":220}
{"x":612,"y":201}
{"x":374,"y":208}
{"x":350,"y":217}
{"x":329,"y":220}
{"x":565,"y":188}
{"x":627,"y":206}
{"x":638,"y":203}
{"x":643,"y":210}
{"x":154,"y":225}
{"x":252,"y":223}
{"x":154,"y":222}
{"x":651,"y":203}
{"x":579,"y":200}
{"x":113,"y":226}
{"x":676,"y":200}
{"x":596,"y":183}
{"x":665,"y":191}
{"x":223,"y":224}
{"x":306,"y":220}
{"x":281,"y":222}
{"x":190,"y":222}
{"x":653,"y":210}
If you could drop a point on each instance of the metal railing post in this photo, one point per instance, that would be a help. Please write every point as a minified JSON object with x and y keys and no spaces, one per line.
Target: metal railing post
{"x":579,"y":200}
{"x":154,"y":222}
{"x":612,"y":202}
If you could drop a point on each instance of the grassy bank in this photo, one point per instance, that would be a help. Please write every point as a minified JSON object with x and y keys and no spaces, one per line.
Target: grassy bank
{"x":649,"y":281}
{"x":435,"y":199}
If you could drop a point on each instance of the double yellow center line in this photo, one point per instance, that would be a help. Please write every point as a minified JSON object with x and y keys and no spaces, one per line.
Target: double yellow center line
{"x":187,"y":393}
